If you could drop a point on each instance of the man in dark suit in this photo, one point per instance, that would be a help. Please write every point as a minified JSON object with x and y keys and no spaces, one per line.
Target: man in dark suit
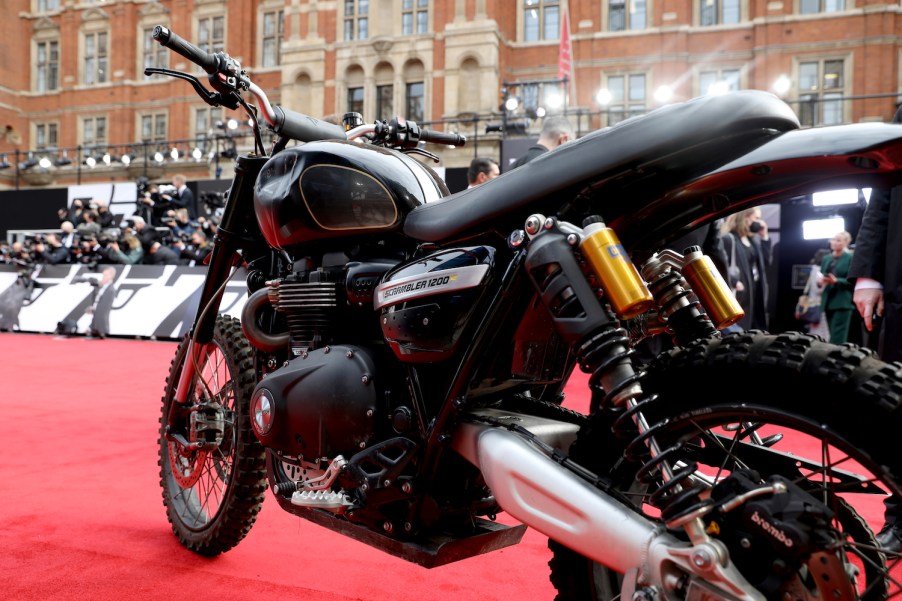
{"x":877,"y":273}
{"x":160,"y":254}
{"x":555,"y":131}
{"x":104,"y":295}
{"x":183,"y":197}
{"x":52,"y":251}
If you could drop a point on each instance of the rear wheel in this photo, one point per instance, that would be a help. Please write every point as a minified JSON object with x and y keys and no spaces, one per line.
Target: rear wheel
{"x":712,"y":405}
{"x":212,"y":467}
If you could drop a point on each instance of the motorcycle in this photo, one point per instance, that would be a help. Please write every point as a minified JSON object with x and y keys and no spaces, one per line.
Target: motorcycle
{"x":397,"y":373}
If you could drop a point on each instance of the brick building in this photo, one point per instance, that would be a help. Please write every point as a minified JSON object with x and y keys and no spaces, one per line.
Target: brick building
{"x":74,"y":90}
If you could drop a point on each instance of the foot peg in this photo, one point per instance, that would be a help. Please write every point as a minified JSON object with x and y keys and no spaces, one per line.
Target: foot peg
{"x":337,"y":502}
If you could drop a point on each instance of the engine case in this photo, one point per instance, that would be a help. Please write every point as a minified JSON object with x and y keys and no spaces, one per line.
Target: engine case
{"x":427,"y":303}
{"x":323,"y":403}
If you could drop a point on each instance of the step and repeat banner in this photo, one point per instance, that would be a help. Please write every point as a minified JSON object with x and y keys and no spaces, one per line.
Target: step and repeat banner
{"x":116,"y":300}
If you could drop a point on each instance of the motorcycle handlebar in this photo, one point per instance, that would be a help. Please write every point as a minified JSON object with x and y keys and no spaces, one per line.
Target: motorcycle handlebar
{"x":298,"y":126}
{"x":440,"y":137}
{"x":206,"y":61}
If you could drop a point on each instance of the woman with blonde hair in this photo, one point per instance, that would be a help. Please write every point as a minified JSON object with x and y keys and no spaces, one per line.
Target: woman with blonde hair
{"x":133,"y":253}
{"x":748,"y":251}
{"x":836,"y":298}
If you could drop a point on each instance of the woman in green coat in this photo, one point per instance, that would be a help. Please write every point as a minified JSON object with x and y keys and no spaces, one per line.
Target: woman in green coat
{"x":836,"y":298}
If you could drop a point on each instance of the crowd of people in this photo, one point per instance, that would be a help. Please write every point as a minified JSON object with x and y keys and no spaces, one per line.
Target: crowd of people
{"x":167,"y":228}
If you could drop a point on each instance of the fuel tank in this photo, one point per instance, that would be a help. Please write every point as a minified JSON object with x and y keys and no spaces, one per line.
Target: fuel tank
{"x":335,"y":189}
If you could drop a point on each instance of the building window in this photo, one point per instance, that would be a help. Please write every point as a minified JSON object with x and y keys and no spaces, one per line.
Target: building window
{"x":153,"y":127}
{"x":355,"y":100}
{"x":624,"y":97}
{"x":273,"y":31}
{"x":810,"y":7}
{"x":96,"y":57}
{"x":541,"y":20}
{"x":46,"y":135}
{"x":416,"y":102}
{"x":155,"y":54}
{"x":48,"y":71}
{"x":718,"y":82}
{"x":624,"y":15}
{"x":356,"y":20}
{"x":205,"y":120}
{"x":48,"y":5}
{"x":414,"y":16}
{"x":385,"y":106}
{"x":719,"y":12}
{"x":821,"y":89}
{"x":93,"y":132}
{"x":211,"y":34}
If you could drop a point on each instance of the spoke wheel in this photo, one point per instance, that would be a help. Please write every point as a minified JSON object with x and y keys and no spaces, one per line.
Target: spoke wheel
{"x":837,"y":408}
{"x":212,"y":493}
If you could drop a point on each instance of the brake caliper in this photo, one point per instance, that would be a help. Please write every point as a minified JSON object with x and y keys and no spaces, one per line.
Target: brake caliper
{"x":771,"y":536}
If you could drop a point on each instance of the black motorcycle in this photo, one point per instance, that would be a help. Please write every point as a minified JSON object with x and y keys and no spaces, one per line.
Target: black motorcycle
{"x":397,"y":373}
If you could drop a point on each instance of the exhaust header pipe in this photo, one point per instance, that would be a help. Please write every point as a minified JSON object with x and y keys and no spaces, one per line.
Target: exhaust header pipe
{"x":538,"y":492}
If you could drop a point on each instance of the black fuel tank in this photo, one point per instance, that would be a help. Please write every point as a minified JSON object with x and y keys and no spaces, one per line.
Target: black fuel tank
{"x":335,"y":189}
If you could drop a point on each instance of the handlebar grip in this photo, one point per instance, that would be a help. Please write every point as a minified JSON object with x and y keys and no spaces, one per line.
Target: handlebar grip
{"x":440,"y":137}
{"x":206,"y":61}
{"x":303,"y":128}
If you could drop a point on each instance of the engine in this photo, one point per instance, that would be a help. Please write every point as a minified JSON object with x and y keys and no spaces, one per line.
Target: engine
{"x":346,"y":332}
{"x":321,"y":404}
{"x":322,"y":401}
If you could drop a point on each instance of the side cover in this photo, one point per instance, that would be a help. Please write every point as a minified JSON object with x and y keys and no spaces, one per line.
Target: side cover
{"x":427,"y":303}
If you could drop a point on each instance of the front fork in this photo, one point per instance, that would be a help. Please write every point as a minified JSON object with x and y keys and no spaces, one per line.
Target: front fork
{"x":588,"y":283}
{"x":226,"y":255}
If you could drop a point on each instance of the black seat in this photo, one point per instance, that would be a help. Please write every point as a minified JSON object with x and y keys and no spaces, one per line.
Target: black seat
{"x":668,"y":146}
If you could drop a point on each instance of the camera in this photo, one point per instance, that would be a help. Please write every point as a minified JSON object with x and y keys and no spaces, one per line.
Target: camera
{"x":213,"y":200}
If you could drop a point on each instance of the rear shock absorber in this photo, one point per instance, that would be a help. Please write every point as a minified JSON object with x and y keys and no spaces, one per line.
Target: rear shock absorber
{"x":601,"y":345}
{"x":691,"y":295}
{"x":665,"y":470}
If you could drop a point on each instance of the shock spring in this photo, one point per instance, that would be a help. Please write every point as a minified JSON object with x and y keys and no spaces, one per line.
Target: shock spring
{"x":677,"y":303}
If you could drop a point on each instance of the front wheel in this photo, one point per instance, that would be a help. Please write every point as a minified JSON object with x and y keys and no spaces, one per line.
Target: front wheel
{"x":749,"y":408}
{"x":212,"y":467}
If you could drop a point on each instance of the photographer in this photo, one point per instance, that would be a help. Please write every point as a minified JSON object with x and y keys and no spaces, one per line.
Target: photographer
{"x":152,"y":205}
{"x":93,"y":250}
{"x":196,"y":250}
{"x":89,"y":225}
{"x":104,"y":217}
{"x":51,"y":250}
{"x":68,"y":237}
{"x":145,"y":234}
{"x":130,"y":253}
{"x":161,"y":254}
{"x":74,"y":214}
{"x":181,"y":197}
{"x":17,"y":254}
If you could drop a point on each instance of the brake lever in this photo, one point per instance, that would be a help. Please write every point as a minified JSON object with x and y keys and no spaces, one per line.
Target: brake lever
{"x":425,"y":153}
{"x":212,"y":98}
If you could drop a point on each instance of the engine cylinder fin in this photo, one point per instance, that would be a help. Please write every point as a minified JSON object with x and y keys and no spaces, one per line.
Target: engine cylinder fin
{"x":308,"y":308}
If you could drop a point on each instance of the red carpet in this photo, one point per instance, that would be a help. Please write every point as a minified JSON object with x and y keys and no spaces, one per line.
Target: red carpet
{"x":81,"y":516}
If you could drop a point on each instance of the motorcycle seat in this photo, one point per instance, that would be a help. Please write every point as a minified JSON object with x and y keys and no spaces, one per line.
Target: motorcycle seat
{"x":668,"y":146}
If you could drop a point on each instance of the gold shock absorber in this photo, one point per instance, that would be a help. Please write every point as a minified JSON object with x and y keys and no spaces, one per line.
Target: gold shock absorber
{"x":623,"y":286}
{"x":712,"y":291}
